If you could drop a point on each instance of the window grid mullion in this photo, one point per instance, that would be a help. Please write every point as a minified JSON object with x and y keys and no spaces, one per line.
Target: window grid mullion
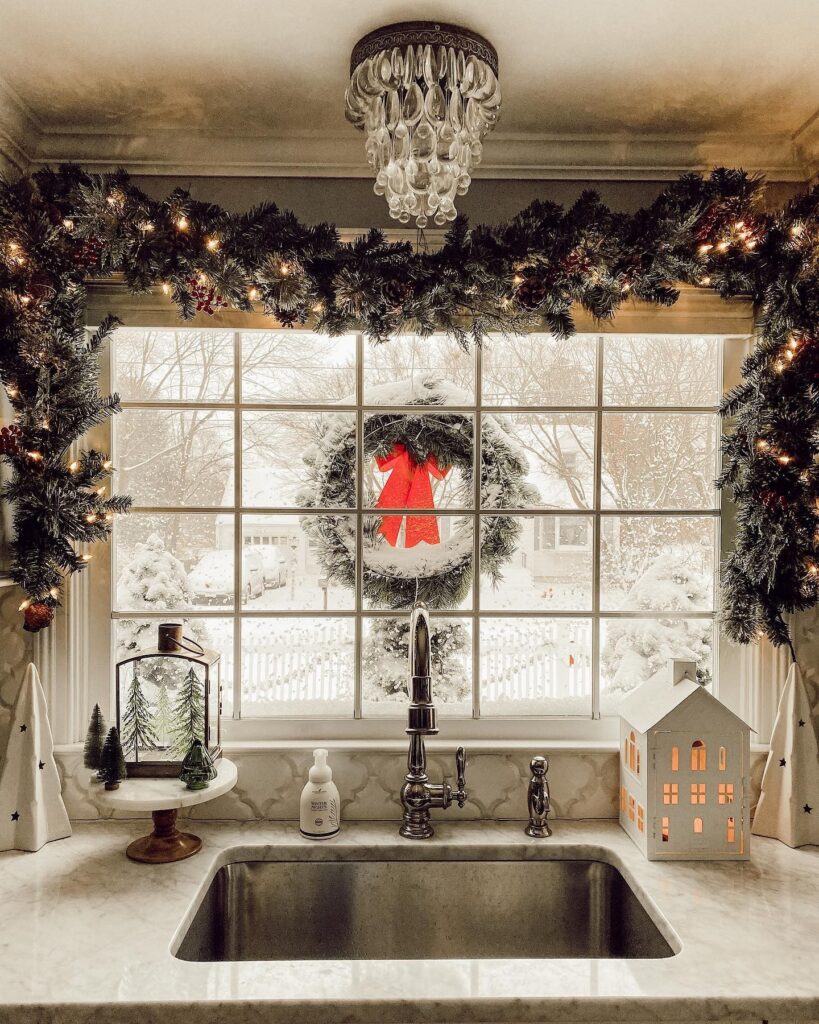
{"x":358,"y":625}
{"x":597,"y":527}
{"x":238,"y":524}
{"x":476,"y":536}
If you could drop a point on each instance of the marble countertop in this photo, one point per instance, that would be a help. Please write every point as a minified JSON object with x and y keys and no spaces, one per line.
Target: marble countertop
{"x":167,"y":794}
{"x":87,"y":936}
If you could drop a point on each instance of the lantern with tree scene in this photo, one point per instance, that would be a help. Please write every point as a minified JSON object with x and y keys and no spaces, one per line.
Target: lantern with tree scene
{"x":167,"y":697}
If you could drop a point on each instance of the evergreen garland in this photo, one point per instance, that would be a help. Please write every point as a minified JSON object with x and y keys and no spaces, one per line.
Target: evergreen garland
{"x":59,"y":227}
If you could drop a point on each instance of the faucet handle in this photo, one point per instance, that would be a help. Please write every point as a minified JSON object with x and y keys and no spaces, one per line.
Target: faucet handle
{"x":460,"y":768}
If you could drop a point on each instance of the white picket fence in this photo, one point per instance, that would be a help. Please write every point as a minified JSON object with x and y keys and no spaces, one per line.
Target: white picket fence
{"x":523,"y":660}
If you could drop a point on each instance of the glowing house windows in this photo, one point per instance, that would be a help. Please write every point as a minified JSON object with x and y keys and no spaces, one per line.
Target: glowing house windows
{"x":698,"y":826}
{"x":725,"y":792}
{"x":697,"y":792}
{"x":698,"y":758}
{"x":723,"y":759}
{"x":671,"y":793}
{"x":665,"y":830}
{"x":641,"y":818}
{"x":730,"y":832}
{"x":675,"y":759}
{"x":631,"y":807}
{"x":632,"y":753}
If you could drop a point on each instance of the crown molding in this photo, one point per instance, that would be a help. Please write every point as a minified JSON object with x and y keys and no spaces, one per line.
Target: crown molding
{"x":341,"y":154}
{"x":26,"y":144}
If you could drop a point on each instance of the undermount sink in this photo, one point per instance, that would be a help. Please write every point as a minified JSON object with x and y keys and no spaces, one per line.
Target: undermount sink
{"x":419,"y":909}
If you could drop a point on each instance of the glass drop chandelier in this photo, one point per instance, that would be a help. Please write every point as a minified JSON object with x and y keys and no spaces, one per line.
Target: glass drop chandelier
{"x":425,"y":94}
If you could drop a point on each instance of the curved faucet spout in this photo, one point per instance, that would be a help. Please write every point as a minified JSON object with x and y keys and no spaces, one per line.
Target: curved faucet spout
{"x":420,"y":644}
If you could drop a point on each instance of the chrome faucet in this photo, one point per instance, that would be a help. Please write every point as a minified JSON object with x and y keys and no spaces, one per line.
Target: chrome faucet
{"x":418,"y":794}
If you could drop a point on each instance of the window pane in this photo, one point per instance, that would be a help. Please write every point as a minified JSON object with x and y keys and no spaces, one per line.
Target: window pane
{"x":437,"y":571}
{"x":662,"y":370}
{"x":173,"y":366}
{"x":406,"y":461}
{"x":536,"y":666}
{"x":298,"y":667}
{"x":410,"y":370}
{"x":632,"y":650}
{"x":657,"y":563}
{"x":558,"y":450}
{"x":537,"y":369}
{"x":175,"y":458}
{"x":385,"y":666}
{"x":550,"y":568}
{"x":296,"y":367}
{"x":659,"y":460}
{"x":281,"y":567}
{"x":288,"y":454}
{"x":174,"y":562}
{"x":131,"y":635}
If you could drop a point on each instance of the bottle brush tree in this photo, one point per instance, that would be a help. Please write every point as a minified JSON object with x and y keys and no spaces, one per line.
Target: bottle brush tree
{"x":112,"y":762}
{"x":94,"y":739}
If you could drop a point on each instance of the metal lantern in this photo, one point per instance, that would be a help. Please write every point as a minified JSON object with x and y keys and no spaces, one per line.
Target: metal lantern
{"x":167,"y":697}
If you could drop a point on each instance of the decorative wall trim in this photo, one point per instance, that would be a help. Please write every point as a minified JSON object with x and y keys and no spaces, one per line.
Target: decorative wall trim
{"x":26,"y":144}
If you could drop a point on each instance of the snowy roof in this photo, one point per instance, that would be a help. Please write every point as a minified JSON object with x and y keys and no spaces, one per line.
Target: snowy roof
{"x":648,"y":704}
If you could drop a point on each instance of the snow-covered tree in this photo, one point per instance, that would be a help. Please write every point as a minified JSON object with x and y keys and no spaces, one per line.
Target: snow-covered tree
{"x":188,"y":714}
{"x":154,"y":580}
{"x":635,"y":649}
{"x":385,"y":658}
{"x":137,"y":719}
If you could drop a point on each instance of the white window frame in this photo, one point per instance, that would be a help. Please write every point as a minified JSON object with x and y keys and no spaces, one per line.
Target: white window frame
{"x":697,"y":313}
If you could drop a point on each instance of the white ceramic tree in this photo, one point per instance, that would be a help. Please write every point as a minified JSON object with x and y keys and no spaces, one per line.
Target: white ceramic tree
{"x":788,"y":808}
{"x":32,"y":812}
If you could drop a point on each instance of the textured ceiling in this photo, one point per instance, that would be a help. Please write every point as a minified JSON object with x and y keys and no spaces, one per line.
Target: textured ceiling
{"x":588,"y":68}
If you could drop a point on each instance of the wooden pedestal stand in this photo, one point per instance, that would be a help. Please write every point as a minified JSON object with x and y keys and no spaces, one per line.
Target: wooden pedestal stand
{"x":163,"y":798}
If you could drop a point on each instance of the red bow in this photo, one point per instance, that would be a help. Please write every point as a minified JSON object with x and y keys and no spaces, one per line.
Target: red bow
{"x":409,"y":486}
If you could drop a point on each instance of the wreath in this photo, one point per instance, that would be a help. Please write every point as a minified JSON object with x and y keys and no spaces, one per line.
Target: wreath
{"x":404,"y":557}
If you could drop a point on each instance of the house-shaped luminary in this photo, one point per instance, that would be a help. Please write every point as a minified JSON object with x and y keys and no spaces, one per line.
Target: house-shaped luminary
{"x":684,"y":770}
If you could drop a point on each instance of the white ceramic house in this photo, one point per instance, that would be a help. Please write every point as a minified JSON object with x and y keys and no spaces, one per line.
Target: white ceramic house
{"x":684,"y":770}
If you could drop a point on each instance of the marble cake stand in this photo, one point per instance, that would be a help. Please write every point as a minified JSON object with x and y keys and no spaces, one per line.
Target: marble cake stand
{"x":163,"y":798}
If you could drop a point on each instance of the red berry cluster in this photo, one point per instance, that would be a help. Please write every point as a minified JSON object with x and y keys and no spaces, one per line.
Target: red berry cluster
{"x":10,"y":439}
{"x":207,"y":298}
{"x":773,"y":499}
{"x":88,"y":252}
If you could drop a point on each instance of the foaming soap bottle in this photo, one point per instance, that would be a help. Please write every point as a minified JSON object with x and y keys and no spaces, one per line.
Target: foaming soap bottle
{"x":319,"y":809}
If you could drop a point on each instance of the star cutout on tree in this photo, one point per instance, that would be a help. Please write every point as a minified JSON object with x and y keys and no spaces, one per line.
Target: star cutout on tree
{"x":15,"y":816}
{"x":801,"y":722}
{"x":23,"y":728}
{"x":41,"y":765}
{"x":807,"y":808}
{"x":782,"y":762}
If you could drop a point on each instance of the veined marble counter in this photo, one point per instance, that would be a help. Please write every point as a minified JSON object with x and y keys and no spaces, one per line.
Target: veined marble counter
{"x":86,"y":938}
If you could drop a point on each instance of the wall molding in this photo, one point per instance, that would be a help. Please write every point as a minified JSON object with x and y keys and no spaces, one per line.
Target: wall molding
{"x":27,"y":144}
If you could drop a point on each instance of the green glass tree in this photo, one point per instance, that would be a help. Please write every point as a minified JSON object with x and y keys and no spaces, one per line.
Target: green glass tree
{"x":94,"y":739}
{"x":198,"y":770}
{"x":137,"y":720}
{"x":112,"y":762}
{"x":188,"y":714}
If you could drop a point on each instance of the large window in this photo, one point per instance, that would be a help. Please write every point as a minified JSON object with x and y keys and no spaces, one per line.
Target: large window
{"x":613,"y":561}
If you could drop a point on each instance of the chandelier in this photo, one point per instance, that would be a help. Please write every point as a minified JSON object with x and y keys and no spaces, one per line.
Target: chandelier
{"x":425,"y":94}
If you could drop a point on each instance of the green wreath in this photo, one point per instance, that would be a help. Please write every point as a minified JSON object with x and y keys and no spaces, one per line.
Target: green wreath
{"x":439,"y":574}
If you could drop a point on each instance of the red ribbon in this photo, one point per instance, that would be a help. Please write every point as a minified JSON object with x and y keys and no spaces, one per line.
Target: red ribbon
{"x":409,"y":486}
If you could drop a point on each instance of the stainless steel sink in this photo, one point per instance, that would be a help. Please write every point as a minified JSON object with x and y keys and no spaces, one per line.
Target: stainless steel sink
{"x":420,"y":910}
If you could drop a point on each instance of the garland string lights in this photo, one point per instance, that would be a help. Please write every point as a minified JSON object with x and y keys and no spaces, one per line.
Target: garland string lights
{"x":60,"y":227}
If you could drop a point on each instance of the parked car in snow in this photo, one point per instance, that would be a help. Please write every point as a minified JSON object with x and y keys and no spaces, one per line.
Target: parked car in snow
{"x":211,"y":579}
{"x":277,"y":561}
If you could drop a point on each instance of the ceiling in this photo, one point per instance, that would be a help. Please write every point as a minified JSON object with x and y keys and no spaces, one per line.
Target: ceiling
{"x":621,"y":89}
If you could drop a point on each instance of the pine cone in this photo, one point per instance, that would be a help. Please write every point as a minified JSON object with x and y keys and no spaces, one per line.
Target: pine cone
{"x":40,"y":286}
{"x":290,"y":317}
{"x":38,"y":616}
{"x":532,"y":291}
{"x":397,"y":293}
